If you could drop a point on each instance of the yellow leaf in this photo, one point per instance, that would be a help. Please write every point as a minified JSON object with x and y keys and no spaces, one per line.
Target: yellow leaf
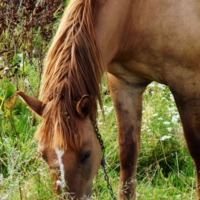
{"x":10,"y":103}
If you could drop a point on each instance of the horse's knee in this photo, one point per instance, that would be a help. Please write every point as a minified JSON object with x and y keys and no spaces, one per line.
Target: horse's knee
{"x":128,"y":154}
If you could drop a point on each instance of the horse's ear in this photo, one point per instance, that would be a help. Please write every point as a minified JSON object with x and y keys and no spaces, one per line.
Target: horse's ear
{"x":34,"y":104}
{"x":84,"y":106}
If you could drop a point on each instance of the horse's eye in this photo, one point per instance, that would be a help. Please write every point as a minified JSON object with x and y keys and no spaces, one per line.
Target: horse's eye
{"x":85,"y":155}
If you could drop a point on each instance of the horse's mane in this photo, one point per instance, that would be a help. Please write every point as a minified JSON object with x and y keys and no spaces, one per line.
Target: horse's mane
{"x":73,"y":68}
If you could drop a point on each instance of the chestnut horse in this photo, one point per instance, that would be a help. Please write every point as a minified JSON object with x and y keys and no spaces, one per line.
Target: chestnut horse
{"x":135,"y":42}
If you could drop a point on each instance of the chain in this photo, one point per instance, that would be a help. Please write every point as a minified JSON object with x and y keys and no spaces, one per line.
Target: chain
{"x":103,"y":161}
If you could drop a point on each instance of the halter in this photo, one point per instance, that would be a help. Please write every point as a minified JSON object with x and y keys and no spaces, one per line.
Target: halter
{"x":103,"y":161}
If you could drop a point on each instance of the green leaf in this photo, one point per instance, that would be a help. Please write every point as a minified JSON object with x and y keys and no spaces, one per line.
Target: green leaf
{"x":9,"y":90}
{"x":17,"y":58}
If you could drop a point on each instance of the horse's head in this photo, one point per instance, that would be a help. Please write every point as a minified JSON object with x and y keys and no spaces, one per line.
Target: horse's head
{"x":72,"y":168}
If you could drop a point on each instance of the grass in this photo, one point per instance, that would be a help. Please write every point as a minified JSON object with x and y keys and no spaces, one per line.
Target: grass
{"x":165,"y":169}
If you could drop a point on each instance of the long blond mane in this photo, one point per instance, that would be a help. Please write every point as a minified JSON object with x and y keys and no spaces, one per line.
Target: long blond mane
{"x":73,"y":68}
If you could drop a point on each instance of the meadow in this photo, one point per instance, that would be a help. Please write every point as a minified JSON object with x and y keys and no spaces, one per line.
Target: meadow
{"x":165,"y":169}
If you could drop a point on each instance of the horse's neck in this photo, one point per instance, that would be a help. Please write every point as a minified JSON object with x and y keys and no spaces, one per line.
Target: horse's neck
{"x":110,"y":21}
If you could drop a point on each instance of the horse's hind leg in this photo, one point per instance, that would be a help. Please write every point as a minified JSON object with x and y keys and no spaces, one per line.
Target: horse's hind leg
{"x":187,"y":98}
{"x":127,"y":97}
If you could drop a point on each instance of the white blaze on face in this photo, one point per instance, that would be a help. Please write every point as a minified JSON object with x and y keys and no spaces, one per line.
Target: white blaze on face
{"x":62,"y":172}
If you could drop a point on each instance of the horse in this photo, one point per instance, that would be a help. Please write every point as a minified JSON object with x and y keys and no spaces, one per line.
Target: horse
{"x":135,"y":42}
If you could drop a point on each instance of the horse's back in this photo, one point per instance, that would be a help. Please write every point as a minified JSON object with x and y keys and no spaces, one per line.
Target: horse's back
{"x":163,"y":40}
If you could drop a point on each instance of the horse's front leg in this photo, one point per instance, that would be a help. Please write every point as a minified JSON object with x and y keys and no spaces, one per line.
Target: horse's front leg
{"x":127,"y":97}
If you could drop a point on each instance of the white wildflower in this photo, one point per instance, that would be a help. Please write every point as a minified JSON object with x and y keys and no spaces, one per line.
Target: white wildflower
{"x":161,"y":86}
{"x":1,"y":179}
{"x":151,"y":85}
{"x":171,"y":108}
{"x":166,"y":123}
{"x":175,"y":119}
{"x":165,"y":137}
{"x":110,"y":108}
{"x":26,"y":83}
{"x":169,"y":129}
{"x":171,"y":97}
